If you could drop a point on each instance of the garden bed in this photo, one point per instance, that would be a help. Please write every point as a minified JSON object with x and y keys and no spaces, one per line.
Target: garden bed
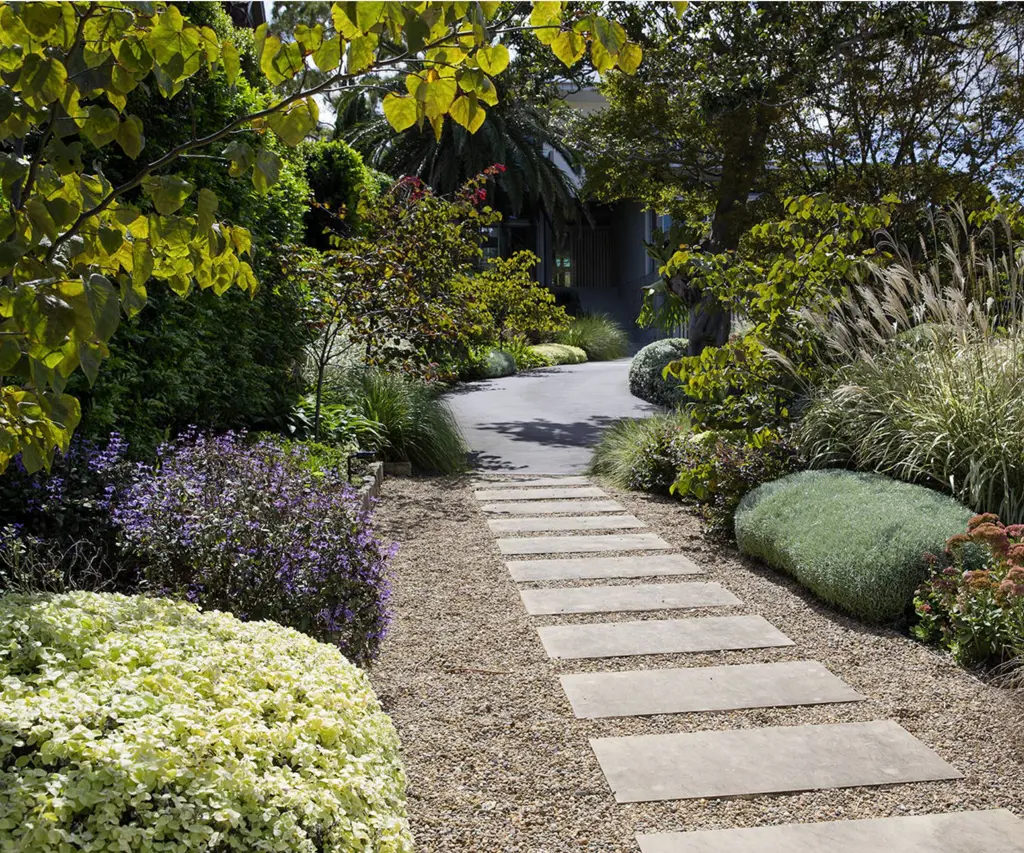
{"x":496,"y":761}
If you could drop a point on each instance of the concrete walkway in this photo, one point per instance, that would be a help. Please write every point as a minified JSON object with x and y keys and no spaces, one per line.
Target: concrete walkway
{"x":545,"y":421}
{"x":730,"y":762}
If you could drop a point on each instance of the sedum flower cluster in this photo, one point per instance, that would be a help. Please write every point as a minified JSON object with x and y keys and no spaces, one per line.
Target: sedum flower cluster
{"x":973,"y":603}
{"x":131,"y":723}
{"x":252,"y":528}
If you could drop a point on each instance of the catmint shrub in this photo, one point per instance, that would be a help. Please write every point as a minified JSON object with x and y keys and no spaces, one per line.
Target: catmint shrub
{"x":249,"y":527}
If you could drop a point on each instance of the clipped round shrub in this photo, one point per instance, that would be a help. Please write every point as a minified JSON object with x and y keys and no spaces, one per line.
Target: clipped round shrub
{"x":497,"y":363}
{"x":856,"y":540}
{"x":553,"y":354}
{"x":132,"y":723}
{"x":645,"y":373}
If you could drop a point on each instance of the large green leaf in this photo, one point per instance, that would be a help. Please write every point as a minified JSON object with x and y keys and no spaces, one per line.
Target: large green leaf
{"x":167,"y":192}
{"x":400,"y":111}
{"x":297,"y":123}
{"x":268,"y":168}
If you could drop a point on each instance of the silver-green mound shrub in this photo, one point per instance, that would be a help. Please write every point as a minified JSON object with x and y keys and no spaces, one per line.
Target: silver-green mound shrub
{"x":130,"y":723}
{"x":553,"y":354}
{"x":856,"y":540}
{"x":645,"y":373}
{"x":497,"y":363}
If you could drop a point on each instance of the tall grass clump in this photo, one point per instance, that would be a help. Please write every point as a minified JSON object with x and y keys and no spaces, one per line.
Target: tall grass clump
{"x":415,"y":424}
{"x":641,"y":453}
{"x":930,"y":387}
{"x":598,"y":335}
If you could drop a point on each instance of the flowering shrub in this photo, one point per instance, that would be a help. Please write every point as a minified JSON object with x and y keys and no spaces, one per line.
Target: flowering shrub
{"x":55,"y":528}
{"x":132,"y":723}
{"x":973,"y":603}
{"x":251,"y":528}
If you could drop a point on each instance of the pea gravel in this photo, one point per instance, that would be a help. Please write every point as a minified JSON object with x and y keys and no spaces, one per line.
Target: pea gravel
{"x":496,"y":761}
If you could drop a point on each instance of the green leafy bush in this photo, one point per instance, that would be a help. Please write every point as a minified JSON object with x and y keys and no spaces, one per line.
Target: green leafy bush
{"x":855,"y":540}
{"x":973,"y":603}
{"x":718,"y":468}
{"x":518,"y":306}
{"x":552,"y":354}
{"x":646,"y":373}
{"x":416,"y":425}
{"x":642,"y":453}
{"x":598,"y":335}
{"x":339,"y":181}
{"x":139,"y":724}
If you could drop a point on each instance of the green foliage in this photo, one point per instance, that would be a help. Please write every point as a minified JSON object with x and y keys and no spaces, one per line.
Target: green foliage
{"x":855,"y":540}
{"x":783,"y":274}
{"x":552,"y":354}
{"x":642,"y":453}
{"x":197,"y":730}
{"x":339,"y":181}
{"x":718,"y":469}
{"x":415,"y":425}
{"x":973,"y":602}
{"x":598,"y":335}
{"x":518,"y":306}
{"x":76,"y":250}
{"x":647,"y":373}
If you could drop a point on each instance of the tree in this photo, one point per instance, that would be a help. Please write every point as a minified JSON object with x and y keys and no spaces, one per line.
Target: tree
{"x":76,"y":250}
{"x":517,"y":305}
{"x":739,"y":105}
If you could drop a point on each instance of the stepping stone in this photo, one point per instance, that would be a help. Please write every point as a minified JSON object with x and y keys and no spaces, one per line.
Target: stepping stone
{"x":553,"y":507}
{"x":617,"y":599}
{"x":995,"y":831}
{"x":583,"y":544}
{"x":704,"y":688}
{"x":743,"y":762}
{"x":660,"y":637}
{"x":539,"y":494}
{"x":584,"y":568}
{"x":536,"y":525}
{"x":531,"y":482}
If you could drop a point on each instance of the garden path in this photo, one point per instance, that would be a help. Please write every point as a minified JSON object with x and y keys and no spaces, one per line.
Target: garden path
{"x":545,"y":421}
{"x":722,"y":763}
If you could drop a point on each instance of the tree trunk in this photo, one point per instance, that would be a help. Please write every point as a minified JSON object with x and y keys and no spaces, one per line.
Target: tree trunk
{"x":745,"y":130}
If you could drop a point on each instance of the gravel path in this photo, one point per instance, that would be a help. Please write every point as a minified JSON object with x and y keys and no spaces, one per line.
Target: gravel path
{"x":497,"y":762}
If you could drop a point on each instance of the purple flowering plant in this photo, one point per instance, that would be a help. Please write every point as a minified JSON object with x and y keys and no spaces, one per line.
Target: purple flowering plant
{"x":249,"y":527}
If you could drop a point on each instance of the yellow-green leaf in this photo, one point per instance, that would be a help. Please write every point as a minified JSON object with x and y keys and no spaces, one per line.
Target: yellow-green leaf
{"x":437,"y":97}
{"x":230,"y":59}
{"x":130,"y":137}
{"x":468,"y":112}
{"x":328,"y":56}
{"x":569,"y":47}
{"x":41,"y":81}
{"x":400,"y":111}
{"x":361,"y":53}
{"x":296,"y":123}
{"x":630,"y":56}
{"x":268,"y":168}
{"x":493,"y":60}
{"x":167,"y":192}
{"x":206,"y":208}
{"x":368,"y":14}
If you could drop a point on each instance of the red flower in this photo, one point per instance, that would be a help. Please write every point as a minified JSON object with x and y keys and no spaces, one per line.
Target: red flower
{"x":1015,"y":531}
{"x":1016,"y":552}
{"x":993,"y":535}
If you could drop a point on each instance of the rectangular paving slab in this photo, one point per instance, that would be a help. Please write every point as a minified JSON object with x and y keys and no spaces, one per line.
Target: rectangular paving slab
{"x":744,"y":762}
{"x":552,"y":494}
{"x":564,"y":523}
{"x":994,"y":831}
{"x":583,"y":544}
{"x":704,"y":688}
{"x":660,"y":637}
{"x":584,"y":568}
{"x":617,"y":599}
{"x":530,"y":482}
{"x":552,"y":507}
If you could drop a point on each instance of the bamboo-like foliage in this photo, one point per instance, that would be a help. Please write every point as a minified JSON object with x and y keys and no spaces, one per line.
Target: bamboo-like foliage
{"x":931,"y":383}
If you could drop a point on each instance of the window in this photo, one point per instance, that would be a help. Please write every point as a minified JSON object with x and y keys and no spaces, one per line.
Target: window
{"x":563,"y":268}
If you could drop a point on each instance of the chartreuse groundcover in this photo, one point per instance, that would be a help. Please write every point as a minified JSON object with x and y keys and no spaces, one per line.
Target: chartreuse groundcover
{"x":130,"y":723}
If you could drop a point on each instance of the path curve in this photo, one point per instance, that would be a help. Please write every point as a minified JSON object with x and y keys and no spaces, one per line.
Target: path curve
{"x":545,"y":421}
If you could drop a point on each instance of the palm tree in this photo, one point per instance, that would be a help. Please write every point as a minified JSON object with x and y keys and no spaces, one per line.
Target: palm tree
{"x":517,"y":134}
